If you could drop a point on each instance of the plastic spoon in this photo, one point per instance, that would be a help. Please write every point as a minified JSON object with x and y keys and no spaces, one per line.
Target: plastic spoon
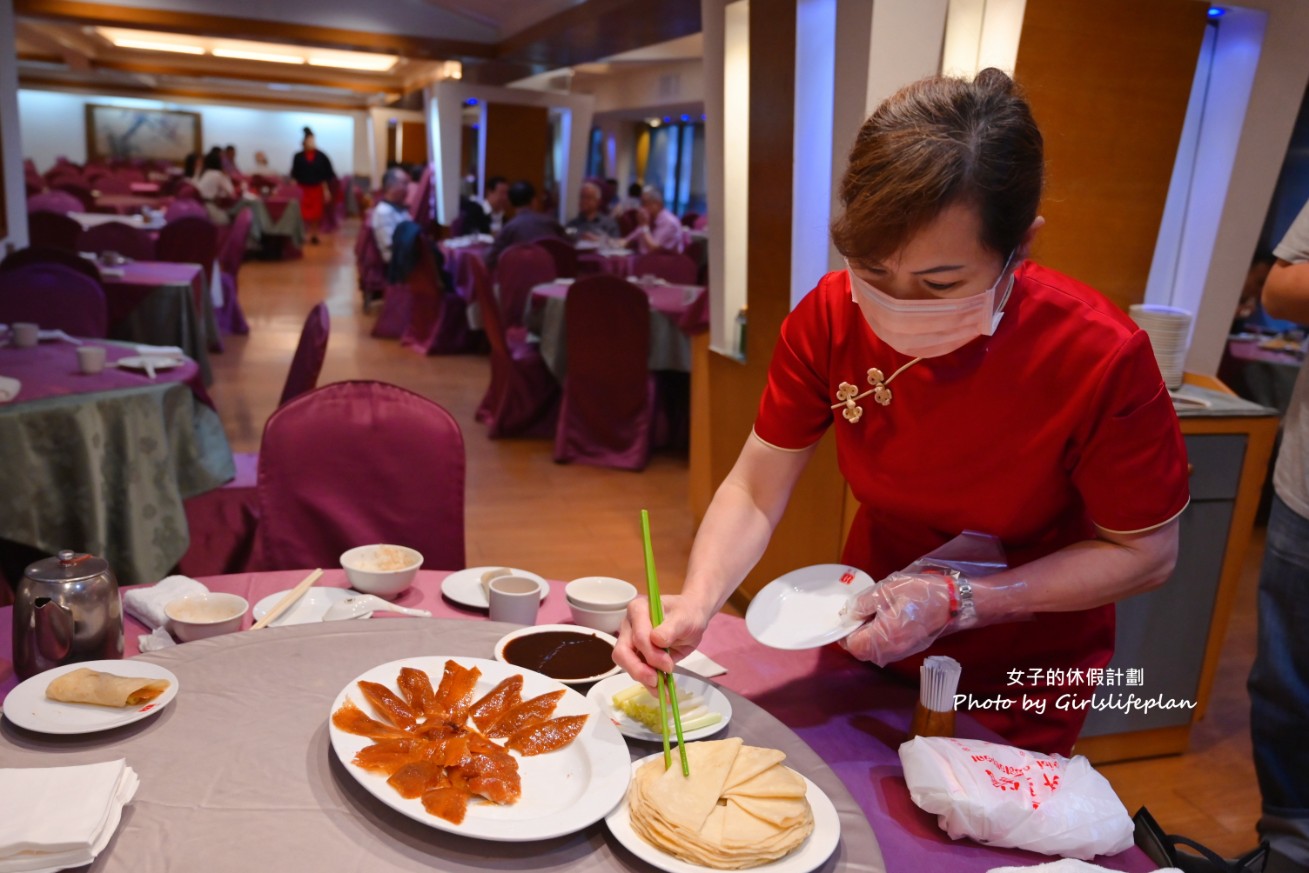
{"x":364,"y":605}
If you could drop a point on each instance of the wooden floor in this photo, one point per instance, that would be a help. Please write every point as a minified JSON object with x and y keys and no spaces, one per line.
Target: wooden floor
{"x":566,"y":521}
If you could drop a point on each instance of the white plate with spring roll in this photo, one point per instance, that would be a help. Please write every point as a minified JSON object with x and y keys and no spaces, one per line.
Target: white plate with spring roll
{"x":28,"y":706}
{"x":807,"y":608}
{"x":705,"y":710}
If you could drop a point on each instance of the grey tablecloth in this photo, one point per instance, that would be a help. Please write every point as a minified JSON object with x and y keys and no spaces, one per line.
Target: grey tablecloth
{"x":290,"y":223}
{"x":237,"y":774}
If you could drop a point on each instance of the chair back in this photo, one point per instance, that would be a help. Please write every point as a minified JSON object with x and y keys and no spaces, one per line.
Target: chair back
{"x":186,"y":190}
{"x":354,"y":463}
{"x":309,"y":354}
{"x":369,"y":265}
{"x":62,"y":257}
{"x":54,"y":200}
{"x":675,"y":268}
{"x":628,"y":221}
{"x":111,"y":183}
{"x":689,"y":219}
{"x":191,"y":240}
{"x":117,"y":236}
{"x":607,"y":412}
{"x":79,"y":191}
{"x":232,"y":253}
{"x":53,"y":230}
{"x":519,"y":268}
{"x":185,"y":207}
{"x":55,"y":297}
{"x":473,"y":274}
{"x":564,"y":254}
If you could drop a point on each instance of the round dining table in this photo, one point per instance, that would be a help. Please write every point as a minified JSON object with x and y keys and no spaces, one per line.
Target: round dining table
{"x":103,"y":462}
{"x":162,"y":303}
{"x":674,"y":316}
{"x":238,"y":771}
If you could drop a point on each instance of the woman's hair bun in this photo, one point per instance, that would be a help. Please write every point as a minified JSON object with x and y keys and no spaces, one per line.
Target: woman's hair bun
{"x":994,"y":80}
{"x":308,"y":132}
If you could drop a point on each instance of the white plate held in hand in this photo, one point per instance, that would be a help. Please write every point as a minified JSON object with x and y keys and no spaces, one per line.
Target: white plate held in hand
{"x":805,"y":608}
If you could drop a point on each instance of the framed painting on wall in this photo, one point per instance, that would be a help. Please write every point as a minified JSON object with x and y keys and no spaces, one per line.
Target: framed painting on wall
{"x":124,"y":132}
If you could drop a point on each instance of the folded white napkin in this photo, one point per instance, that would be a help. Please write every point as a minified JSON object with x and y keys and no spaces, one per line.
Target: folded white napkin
{"x":702,"y":665}
{"x":56,"y":817}
{"x":9,"y":388}
{"x":169,"y":351}
{"x":48,"y":335}
{"x":1067,"y":865}
{"x":113,"y":272}
{"x":146,"y":603}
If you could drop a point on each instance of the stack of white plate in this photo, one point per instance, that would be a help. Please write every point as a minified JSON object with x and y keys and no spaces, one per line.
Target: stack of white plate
{"x":1168,"y":329}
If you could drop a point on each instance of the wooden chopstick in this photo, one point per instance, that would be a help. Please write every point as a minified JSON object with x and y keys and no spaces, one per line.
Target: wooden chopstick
{"x":285,"y":603}
{"x":667,"y":685}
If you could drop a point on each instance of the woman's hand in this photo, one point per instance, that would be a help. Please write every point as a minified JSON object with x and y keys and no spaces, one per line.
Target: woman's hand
{"x":640,"y":649}
{"x":908,"y":611}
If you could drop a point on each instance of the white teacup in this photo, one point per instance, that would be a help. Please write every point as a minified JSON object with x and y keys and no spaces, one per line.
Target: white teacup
{"x":91,"y":359}
{"x":26,"y":334}
{"x":514,"y":599}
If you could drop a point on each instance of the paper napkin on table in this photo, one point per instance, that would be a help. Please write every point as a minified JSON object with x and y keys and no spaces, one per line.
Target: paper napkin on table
{"x":171,"y":351}
{"x":9,"y":388}
{"x":1067,"y":865}
{"x":55,"y":817}
{"x":113,"y":272}
{"x":146,"y":603}
{"x":702,"y":665}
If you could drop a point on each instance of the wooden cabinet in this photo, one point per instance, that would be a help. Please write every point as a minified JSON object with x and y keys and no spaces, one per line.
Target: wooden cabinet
{"x":1174,"y":634}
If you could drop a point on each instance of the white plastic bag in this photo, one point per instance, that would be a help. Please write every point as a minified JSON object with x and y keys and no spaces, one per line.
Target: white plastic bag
{"x":1003,"y":796}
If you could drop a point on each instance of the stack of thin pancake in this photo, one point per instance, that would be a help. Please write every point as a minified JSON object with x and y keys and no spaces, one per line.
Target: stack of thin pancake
{"x":739,"y":808}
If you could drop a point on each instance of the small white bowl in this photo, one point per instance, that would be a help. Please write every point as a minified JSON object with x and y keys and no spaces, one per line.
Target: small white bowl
{"x":607,"y":620}
{"x":600,"y":593}
{"x":198,"y":616}
{"x":381,"y":569}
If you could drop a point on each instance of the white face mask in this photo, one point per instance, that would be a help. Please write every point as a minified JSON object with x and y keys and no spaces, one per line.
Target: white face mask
{"x":934,"y":327}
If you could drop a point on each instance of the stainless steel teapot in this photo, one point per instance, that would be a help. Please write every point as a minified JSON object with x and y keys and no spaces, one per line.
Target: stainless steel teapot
{"x":66,"y":609}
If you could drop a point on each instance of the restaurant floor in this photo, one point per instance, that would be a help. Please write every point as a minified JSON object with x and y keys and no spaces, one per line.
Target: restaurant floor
{"x":566,"y":521}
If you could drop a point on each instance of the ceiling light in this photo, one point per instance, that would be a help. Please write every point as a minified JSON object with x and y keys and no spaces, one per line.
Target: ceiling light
{"x":269,"y":57}
{"x":365,"y":62}
{"x":153,"y":46}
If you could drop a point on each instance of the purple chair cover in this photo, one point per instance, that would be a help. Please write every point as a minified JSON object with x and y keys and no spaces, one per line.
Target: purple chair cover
{"x":438,"y":320}
{"x":185,"y":207}
{"x":678,"y":269}
{"x":54,"y":200}
{"x":111,"y":183}
{"x":523,"y":397}
{"x":117,"y":236}
{"x":628,"y":221}
{"x":607,"y":414}
{"x":701,"y":223}
{"x":564,"y":254}
{"x":309,"y":354}
{"x":689,"y":219}
{"x":397,"y":310}
{"x":80,"y":191}
{"x":519,"y":269}
{"x":589,"y":264}
{"x":222,"y":523}
{"x":190,"y":240}
{"x":56,"y":298}
{"x":369,"y":264}
{"x":355,"y":463}
{"x":53,"y":230}
{"x":230,"y":316}
{"x":62,"y":257}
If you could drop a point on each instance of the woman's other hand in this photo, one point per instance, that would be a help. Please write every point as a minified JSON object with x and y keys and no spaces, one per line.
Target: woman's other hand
{"x":908,"y":611}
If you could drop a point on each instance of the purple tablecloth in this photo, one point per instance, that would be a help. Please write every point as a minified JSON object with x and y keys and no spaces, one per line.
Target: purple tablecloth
{"x":51,"y":370}
{"x":849,"y":713}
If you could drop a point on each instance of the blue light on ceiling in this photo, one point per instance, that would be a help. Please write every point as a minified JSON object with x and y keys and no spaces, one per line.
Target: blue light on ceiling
{"x":668,"y":119}
{"x":686,"y":118}
{"x":1217,"y":12}
{"x":471,"y":101}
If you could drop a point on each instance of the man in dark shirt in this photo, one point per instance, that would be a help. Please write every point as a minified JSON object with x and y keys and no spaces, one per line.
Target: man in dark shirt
{"x":527,"y":224}
{"x":486,"y":216}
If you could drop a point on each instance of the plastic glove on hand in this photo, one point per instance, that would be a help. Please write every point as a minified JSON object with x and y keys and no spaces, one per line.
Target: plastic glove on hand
{"x":909,"y":611}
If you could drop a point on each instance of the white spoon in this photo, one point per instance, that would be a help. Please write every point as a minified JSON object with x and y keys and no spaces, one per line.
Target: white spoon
{"x":364,"y":605}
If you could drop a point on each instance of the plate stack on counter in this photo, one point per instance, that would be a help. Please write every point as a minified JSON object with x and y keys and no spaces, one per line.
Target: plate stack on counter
{"x":1169,"y":330}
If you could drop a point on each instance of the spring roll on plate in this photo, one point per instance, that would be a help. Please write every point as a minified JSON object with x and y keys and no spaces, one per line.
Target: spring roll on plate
{"x":104,"y":689}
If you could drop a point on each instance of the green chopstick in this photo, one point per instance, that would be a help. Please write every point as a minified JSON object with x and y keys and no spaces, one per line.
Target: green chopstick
{"x":667,"y":685}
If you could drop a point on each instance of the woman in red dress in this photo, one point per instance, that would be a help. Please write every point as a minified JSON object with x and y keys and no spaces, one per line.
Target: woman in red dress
{"x":312,"y":170}
{"x":970,"y":390}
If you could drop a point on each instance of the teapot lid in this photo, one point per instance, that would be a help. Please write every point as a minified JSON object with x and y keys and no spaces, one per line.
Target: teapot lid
{"x":68,"y":566}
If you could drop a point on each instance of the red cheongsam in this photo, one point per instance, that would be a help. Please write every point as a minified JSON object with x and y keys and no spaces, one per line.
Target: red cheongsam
{"x":1057,"y":423}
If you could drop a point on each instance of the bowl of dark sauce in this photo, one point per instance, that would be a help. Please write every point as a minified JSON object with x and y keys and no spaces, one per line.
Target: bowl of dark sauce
{"x":564,"y":652}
